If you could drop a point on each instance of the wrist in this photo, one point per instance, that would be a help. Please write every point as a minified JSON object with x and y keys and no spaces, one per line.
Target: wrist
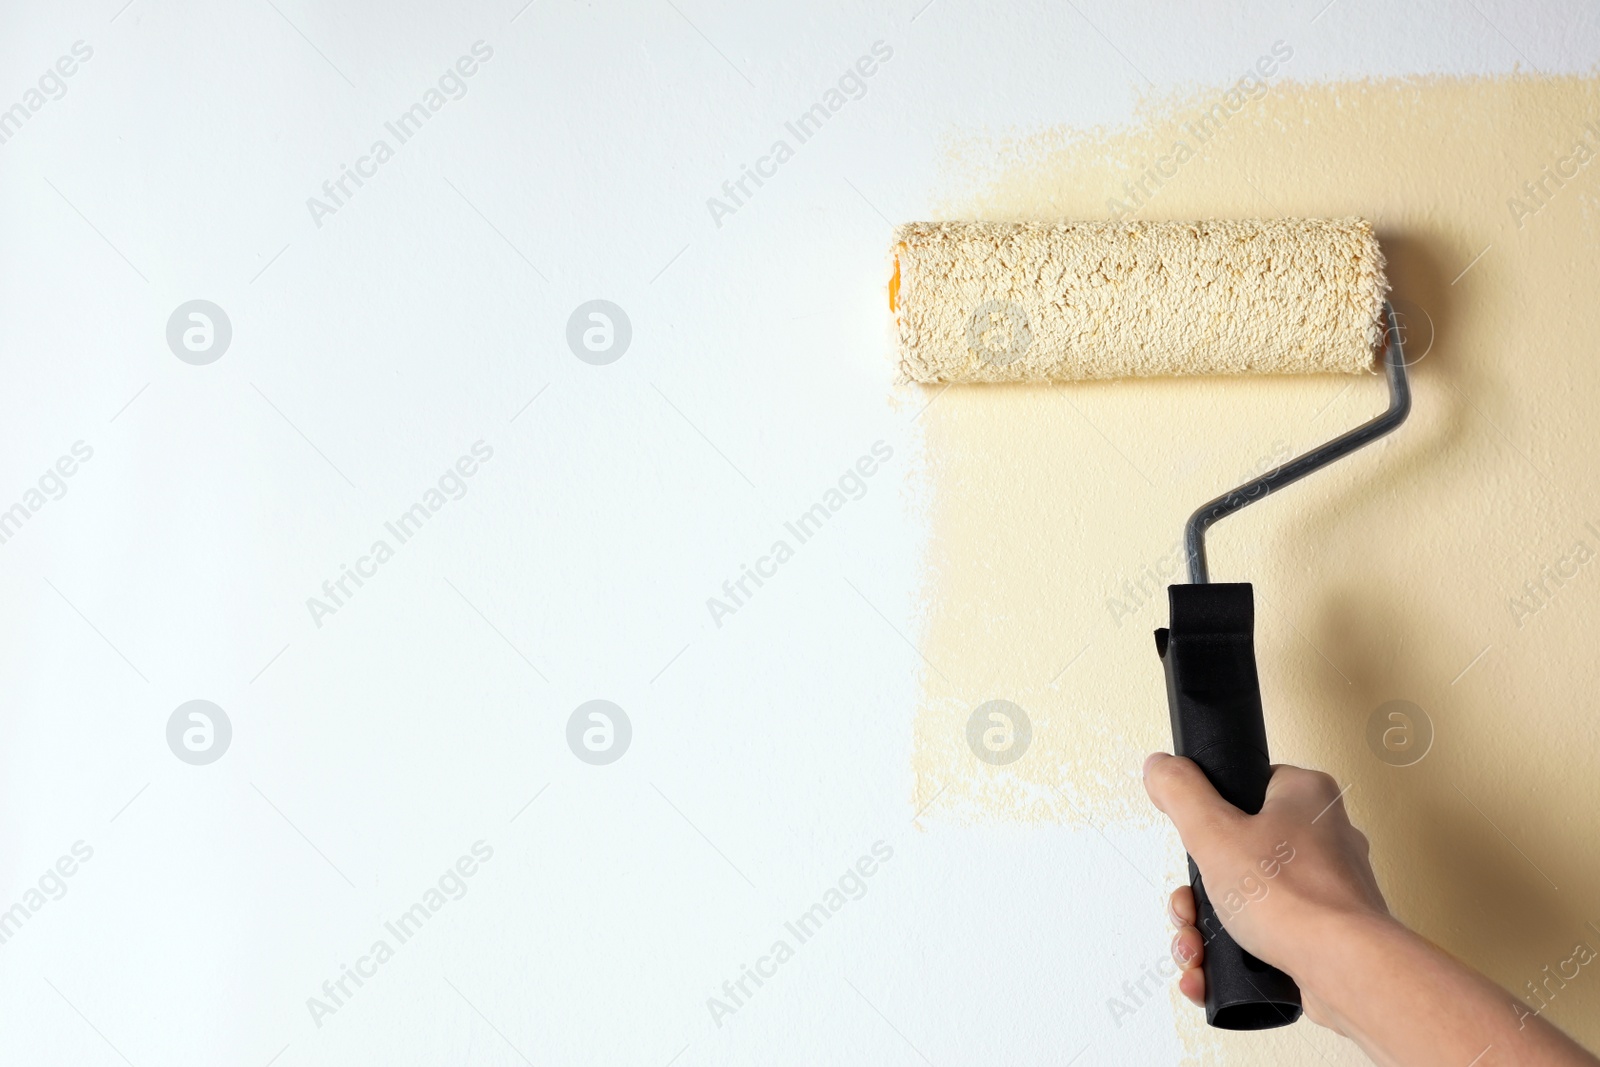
{"x":1334,"y":950}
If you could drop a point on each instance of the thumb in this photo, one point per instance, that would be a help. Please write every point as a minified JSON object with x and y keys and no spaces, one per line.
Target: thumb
{"x":1183,"y":794}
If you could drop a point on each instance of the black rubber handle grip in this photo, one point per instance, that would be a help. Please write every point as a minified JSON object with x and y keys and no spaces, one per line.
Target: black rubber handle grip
{"x":1214,"y":696}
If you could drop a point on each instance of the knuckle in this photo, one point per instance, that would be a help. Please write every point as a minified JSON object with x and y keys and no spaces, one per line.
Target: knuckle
{"x":1324,"y":783}
{"x":1309,"y":786}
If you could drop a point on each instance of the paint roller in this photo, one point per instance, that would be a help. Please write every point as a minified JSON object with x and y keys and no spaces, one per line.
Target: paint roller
{"x":1066,"y":301}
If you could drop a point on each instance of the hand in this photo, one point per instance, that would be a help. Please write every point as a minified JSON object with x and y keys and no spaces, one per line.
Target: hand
{"x":1293,"y":886}
{"x":1275,"y":878}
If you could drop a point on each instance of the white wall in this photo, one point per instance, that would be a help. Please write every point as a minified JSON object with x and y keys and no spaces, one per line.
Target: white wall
{"x":373,"y":346}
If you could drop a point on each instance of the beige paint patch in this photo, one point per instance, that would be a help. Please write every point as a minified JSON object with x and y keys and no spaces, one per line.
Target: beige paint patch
{"x":1452,"y":565}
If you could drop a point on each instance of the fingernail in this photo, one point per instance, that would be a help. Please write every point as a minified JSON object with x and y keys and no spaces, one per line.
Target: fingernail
{"x":1178,"y":951}
{"x":1150,"y":760}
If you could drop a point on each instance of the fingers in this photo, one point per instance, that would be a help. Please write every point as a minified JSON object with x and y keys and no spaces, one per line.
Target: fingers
{"x":1180,"y":790}
{"x":1180,"y":906}
{"x":1188,"y":949}
{"x":1189,"y":952}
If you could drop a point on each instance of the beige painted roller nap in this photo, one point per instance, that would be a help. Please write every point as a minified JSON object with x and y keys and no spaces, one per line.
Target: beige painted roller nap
{"x":1003,"y":302}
